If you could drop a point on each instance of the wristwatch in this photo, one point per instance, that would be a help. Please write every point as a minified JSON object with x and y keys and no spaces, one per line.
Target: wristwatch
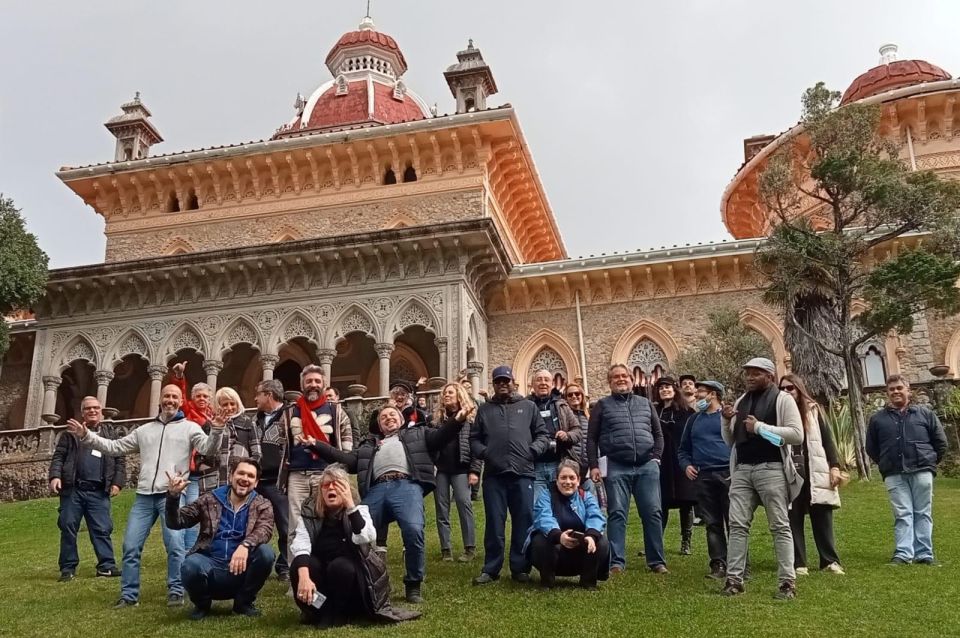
{"x":247,"y":544}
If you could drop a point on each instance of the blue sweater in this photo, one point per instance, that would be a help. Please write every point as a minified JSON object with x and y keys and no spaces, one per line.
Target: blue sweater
{"x":702,"y":443}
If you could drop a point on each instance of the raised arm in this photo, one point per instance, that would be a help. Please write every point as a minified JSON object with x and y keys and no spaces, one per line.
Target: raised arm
{"x":438,"y":437}
{"x":333,"y":455}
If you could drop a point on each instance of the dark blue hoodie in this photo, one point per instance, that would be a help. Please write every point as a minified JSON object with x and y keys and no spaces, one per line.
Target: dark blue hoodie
{"x":702,"y":444}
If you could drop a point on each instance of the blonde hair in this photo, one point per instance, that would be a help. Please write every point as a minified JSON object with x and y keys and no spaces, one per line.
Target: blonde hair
{"x":584,"y":403}
{"x":231,"y":394}
{"x":463,"y":398}
{"x":334,"y":472}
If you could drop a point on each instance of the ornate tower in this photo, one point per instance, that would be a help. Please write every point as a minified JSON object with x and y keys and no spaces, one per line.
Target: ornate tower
{"x":470,"y":80}
{"x":133,"y":130}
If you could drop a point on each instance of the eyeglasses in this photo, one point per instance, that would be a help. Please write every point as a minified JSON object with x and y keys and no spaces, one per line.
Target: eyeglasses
{"x":95,"y":408}
{"x":574,"y":394}
{"x":788,"y":388}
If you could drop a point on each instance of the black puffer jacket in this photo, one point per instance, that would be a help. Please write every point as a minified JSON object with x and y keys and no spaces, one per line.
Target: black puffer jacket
{"x":508,"y":435}
{"x":906,"y":442}
{"x":419,"y":443}
{"x":625,"y":429}
{"x":64,"y":463}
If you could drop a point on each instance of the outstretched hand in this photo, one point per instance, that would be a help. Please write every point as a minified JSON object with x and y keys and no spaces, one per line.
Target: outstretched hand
{"x":179,"y":369}
{"x":76,"y":428}
{"x":221,"y":417}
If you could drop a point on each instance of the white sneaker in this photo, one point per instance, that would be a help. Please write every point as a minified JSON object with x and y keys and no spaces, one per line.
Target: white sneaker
{"x":802,"y":571}
{"x":834,"y":568}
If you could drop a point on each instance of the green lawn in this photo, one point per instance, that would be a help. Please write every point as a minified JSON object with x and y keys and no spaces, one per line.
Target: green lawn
{"x":871,"y":600}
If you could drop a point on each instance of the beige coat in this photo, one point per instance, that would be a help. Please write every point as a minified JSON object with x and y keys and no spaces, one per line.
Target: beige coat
{"x":820,"y":491}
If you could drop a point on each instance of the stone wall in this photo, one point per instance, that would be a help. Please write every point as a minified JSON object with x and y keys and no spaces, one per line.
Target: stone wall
{"x":941,"y":330}
{"x":15,"y":381}
{"x":231,"y":232}
{"x":684,"y":318}
{"x":26,"y":479}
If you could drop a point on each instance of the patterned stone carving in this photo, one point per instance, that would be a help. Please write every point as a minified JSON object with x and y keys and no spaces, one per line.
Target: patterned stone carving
{"x":268,"y":320}
{"x":56,"y":340}
{"x":80,"y":350}
{"x":211,"y":324}
{"x":647,"y":355}
{"x":133,"y":344}
{"x":298,"y":327}
{"x":104,"y":335}
{"x":384,"y":350}
{"x":355,"y":322}
{"x":156,"y":330}
{"x":325,"y":313}
{"x":188,"y":339}
{"x":414,"y":315}
{"x":381,"y":306}
{"x":269,"y":361}
{"x":436,"y":300}
{"x":242,"y":333}
{"x":103,"y":377}
{"x":156,"y":373}
{"x":547,"y":359}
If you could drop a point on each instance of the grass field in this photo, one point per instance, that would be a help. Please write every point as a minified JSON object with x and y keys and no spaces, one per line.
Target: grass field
{"x":871,"y":600}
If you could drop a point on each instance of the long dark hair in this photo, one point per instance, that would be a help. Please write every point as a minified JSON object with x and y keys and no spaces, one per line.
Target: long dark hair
{"x":805,"y":402}
{"x":676,"y":402}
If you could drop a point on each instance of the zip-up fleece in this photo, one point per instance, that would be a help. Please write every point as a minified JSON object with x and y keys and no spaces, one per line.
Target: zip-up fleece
{"x":163,"y":447}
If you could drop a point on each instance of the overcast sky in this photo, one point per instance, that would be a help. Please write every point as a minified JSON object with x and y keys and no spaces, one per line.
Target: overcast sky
{"x":635,"y":111}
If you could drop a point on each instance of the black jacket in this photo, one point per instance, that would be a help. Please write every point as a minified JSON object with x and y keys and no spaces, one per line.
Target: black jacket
{"x":64,"y":463}
{"x":906,"y":442}
{"x":456,"y":457}
{"x":625,"y":429}
{"x":508,"y":436}
{"x":419,"y":443}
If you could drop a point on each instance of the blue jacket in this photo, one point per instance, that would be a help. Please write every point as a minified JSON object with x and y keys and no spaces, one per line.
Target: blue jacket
{"x":624,"y":428}
{"x":702,"y":444}
{"x":583,"y":504}
{"x":232,"y":527}
{"x":908,"y":442}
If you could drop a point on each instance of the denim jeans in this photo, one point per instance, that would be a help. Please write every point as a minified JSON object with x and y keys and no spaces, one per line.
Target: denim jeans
{"x":94,"y":506}
{"x":191,"y":494}
{"x":147,"y":508}
{"x":544,"y":474}
{"x":643,"y":483}
{"x":504,"y":493}
{"x":911,"y":496}
{"x":401,"y":501}
{"x":751,"y":486}
{"x":461,"y":494}
{"x":207,"y":579}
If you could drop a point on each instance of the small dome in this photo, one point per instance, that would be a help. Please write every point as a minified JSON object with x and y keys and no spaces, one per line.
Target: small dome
{"x":367,"y":35}
{"x":892,"y":74}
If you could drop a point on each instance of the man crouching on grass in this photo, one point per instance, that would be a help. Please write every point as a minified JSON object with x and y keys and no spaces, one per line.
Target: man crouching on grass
{"x":232,"y":558}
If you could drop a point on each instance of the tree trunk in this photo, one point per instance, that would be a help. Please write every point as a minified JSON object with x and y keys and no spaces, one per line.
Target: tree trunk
{"x":855,"y":397}
{"x":821,"y":371}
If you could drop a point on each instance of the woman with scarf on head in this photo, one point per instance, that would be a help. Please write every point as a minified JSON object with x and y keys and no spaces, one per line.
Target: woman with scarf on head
{"x":676,"y":490}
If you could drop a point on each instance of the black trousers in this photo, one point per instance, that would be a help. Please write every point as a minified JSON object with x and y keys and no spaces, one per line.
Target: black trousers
{"x":553,"y":560}
{"x":686,"y":518}
{"x":340,"y":580}
{"x":821,"y":521}
{"x":281,"y":518}
{"x":713,"y":499}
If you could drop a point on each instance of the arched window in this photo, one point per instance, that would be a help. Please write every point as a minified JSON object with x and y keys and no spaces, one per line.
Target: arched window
{"x":173,"y":204}
{"x":389,"y":177}
{"x":192,"y":203}
{"x":548,"y":359}
{"x":409,"y":174}
{"x":647,"y":361}
{"x":874,"y":366}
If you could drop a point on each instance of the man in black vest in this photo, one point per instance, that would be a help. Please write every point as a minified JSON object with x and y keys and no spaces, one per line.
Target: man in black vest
{"x":625,"y":428}
{"x":760,"y":427}
{"x":86,"y":479}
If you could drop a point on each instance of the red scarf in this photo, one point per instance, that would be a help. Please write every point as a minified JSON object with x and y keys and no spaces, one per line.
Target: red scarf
{"x":308,"y":419}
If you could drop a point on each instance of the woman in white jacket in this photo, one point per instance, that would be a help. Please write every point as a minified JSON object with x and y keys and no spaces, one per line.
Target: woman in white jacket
{"x":817,"y":461}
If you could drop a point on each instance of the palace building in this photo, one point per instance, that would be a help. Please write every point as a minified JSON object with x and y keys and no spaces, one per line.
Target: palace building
{"x":381,"y":239}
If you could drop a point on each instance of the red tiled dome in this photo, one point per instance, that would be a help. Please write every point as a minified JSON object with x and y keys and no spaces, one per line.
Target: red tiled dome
{"x":368,"y":36}
{"x":895,"y":75}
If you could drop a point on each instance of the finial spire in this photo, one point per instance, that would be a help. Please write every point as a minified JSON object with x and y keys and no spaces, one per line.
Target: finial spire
{"x":888,"y":53}
{"x":366,"y":24}
{"x":368,"y":8}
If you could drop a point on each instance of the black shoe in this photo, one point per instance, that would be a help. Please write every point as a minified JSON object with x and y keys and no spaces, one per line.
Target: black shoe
{"x":199,"y":613}
{"x":732,"y":588}
{"x":283,"y":577}
{"x":685,"y":546}
{"x":717,"y":572}
{"x":248,"y":610}
{"x":123,"y":603}
{"x":929,"y":562}
{"x":896,"y":561}
{"x":548,"y":581}
{"x":521,"y":577}
{"x":413,"y":593}
{"x":174,"y":600}
{"x":66,"y":576}
{"x":484,"y":578}
{"x":446,"y":555}
{"x":786,"y":591}
{"x":110,"y":572}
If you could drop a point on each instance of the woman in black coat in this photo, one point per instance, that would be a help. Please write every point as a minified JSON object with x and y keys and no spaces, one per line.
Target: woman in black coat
{"x":676,"y":490}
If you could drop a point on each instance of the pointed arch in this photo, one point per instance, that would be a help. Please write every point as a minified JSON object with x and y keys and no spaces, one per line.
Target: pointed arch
{"x":353,"y":318}
{"x":414,"y":312}
{"x":240,"y":330}
{"x":772,"y":331}
{"x":401,"y":220}
{"x":77,"y":348}
{"x":474,"y":337}
{"x":178,"y":246}
{"x":186,"y":336}
{"x":296,"y":324}
{"x":546,"y":338}
{"x":287,"y":233}
{"x":131,"y":342}
{"x":644,"y":329}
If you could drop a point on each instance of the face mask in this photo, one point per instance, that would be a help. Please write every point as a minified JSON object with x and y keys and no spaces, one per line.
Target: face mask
{"x":702,"y":405}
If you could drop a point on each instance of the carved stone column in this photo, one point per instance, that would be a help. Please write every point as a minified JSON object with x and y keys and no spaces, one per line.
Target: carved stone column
{"x":212,"y":368}
{"x":326,"y":357}
{"x":156,"y":379}
{"x":384,"y":350}
{"x":269,"y":362}
{"x":474,"y":370}
{"x":441,"y":343}
{"x":103,"y":377}
{"x":50,"y":385}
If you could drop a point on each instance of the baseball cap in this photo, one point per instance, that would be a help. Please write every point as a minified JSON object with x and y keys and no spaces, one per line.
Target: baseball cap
{"x":502,"y":372}
{"x":761,"y":363}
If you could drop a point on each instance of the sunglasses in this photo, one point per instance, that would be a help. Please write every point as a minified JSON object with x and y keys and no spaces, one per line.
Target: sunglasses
{"x":501,"y":381}
{"x":574,"y":394}
{"x":788,"y":388}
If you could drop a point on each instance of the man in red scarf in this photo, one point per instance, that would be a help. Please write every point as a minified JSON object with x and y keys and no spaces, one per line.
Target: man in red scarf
{"x":310,"y":417}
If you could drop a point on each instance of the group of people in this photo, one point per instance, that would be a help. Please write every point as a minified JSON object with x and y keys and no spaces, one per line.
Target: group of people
{"x":563,"y":471}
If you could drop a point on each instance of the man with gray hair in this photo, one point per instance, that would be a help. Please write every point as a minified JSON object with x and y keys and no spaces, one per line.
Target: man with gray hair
{"x":311,"y":417}
{"x":272,"y":430}
{"x":760,"y":428}
{"x":563,"y":427}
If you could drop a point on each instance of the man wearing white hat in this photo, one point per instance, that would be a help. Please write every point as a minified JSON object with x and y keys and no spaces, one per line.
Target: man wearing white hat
{"x":760,"y":427}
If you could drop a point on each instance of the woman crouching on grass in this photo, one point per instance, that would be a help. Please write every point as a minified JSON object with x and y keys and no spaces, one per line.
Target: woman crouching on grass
{"x":336,"y":575}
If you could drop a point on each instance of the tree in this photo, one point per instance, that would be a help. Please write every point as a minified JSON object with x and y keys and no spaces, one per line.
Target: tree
{"x":853,"y":222}
{"x":23,"y":267}
{"x":721,"y":353}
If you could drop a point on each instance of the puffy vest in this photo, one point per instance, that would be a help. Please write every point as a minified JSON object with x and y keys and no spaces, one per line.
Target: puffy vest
{"x":625,"y":429}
